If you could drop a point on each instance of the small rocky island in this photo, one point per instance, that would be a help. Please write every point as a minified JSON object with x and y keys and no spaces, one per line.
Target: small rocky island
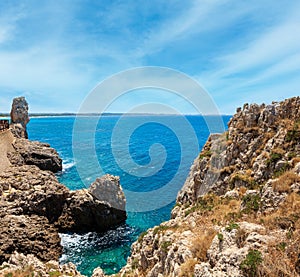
{"x":238,"y":213}
{"x":35,"y":207}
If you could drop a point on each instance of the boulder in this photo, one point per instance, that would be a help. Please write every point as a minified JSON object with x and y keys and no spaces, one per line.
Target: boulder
{"x":84,"y":212}
{"x":107,"y":189}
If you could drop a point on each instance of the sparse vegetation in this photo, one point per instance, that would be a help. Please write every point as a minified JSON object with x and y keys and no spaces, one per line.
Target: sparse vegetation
{"x":135,"y":263}
{"x":205,"y":154}
{"x":241,"y":236}
{"x":232,"y":226}
{"x":205,"y":203}
{"x":187,"y":268}
{"x":250,"y":265}
{"x":220,"y":237}
{"x":275,"y":156}
{"x":279,"y":172}
{"x":142,"y":236}
{"x":239,"y":179}
{"x":165,"y":246}
{"x":160,"y":228}
{"x":284,"y":182}
{"x":201,"y":243}
{"x":251,"y":203}
{"x":293,"y":134}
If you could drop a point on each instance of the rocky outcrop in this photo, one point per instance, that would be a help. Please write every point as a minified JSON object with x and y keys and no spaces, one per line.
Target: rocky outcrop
{"x":28,"y":191}
{"x":108,"y":190}
{"x":96,"y":209}
{"x":29,"y":265}
{"x":28,"y":152}
{"x":238,"y":211}
{"x":19,"y":117}
{"x":29,"y":234}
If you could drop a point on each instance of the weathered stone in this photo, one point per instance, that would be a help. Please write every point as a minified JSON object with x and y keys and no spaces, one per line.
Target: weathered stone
{"x":28,"y":235}
{"x":35,"y":153}
{"x":19,"y":117}
{"x":108,"y":190}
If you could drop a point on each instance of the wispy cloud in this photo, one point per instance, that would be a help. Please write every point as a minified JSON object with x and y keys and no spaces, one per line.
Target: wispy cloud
{"x":59,"y":50}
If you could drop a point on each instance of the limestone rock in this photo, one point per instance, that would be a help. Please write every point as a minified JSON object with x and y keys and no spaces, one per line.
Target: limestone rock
{"x":107,"y":189}
{"x":28,"y":235}
{"x":29,"y":190}
{"x":19,"y":117}
{"x":35,"y":153}
{"x":83,"y":212}
{"x":30,"y":265}
{"x":98,"y":272}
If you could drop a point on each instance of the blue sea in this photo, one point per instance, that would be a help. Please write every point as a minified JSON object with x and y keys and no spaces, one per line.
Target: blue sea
{"x":148,"y":152}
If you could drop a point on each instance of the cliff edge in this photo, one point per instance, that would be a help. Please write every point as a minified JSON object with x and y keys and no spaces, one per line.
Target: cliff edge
{"x":238,"y":211}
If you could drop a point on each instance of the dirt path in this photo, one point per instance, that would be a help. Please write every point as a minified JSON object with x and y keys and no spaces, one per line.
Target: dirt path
{"x":6,"y":140}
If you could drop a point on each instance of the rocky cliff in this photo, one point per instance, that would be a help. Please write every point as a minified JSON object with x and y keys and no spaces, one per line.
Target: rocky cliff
{"x":238,"y":213}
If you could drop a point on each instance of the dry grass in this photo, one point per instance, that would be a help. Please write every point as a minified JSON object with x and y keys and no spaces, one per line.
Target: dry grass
{"x":286,"y":217}
{"x":295,"y":161}
{"x":201,"y":243}
{"x":187,"y":268}
{"x":284,"y":182}
{"x":26,"y":272}
{"x":276,"y":263}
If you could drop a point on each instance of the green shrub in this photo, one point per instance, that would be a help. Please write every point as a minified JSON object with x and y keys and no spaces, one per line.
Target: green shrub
{"x":251,"y":202}
{"x":274,"y":157}
{"x":159,"y":229}
{"x":232,"y":226}
{"x":250,"y":264}
{"x":281,"y":246}
{"x":220,"y":237}
{"x":165,"y":246}
{"x":142,"y":236}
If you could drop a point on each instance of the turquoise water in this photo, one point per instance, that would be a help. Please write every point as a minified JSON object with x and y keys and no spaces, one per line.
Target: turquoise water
{"x":111,"y":249}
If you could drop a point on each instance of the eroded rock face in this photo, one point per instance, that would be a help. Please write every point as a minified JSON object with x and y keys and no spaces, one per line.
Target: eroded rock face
{"x":83,"y":211}
{"x":19,"y":117}
{"x":35,"y":153}
{"x":29,"y":190}
{"x":26,"y":191}
{"x":28,"y":235}
{"x":107,"y":189}
{"x":32,"y":266}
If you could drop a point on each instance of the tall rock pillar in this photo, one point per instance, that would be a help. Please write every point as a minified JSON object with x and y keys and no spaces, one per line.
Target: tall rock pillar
{"x":19,"y":117}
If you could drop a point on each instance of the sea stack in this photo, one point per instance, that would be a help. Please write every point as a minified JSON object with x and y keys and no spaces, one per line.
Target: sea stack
{"x":19,"y":117}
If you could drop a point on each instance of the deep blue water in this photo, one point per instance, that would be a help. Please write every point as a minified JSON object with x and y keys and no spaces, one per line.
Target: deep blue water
{"x":142,"y":170}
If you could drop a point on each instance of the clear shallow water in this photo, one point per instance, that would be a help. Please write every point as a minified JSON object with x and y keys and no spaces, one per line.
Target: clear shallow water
{"x":111,"y":249}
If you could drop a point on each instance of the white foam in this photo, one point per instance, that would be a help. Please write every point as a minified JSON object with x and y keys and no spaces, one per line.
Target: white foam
{"x":68,"y":165}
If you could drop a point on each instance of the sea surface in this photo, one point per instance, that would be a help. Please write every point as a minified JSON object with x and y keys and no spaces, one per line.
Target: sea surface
{"x":110,"y":250}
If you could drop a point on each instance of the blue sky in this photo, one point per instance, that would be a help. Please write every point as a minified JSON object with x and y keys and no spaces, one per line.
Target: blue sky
{"x":56,"y":52}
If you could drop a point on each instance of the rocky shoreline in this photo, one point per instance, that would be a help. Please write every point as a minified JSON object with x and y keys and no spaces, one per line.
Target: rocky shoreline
{"x":238,"y":213}
{"x":35,"y":207}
